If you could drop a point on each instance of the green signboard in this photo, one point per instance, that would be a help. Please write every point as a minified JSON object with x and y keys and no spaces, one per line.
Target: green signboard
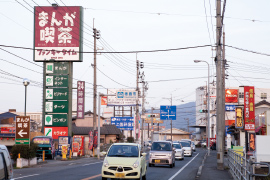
{"x":56,"y":80}
{"x":57,"y":68}
{"x":56,"y":107}
{"x":22,"y":141}
{"x":60,"y":120}
{"x":56,"y":93}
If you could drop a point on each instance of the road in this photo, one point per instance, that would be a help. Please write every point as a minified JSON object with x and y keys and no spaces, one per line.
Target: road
{"x":90,"y":168}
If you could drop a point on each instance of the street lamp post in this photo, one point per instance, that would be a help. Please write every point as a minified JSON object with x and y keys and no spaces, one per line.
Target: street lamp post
{"x":208,"y":106}
{"x":26,"y":82}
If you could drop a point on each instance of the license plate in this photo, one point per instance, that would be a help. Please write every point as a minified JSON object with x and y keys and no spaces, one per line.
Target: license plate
{"x":119,"y":175}
{"x":157,"y":161}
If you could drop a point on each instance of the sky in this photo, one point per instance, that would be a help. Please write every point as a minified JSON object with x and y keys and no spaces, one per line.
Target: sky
{"x":140,"y":26}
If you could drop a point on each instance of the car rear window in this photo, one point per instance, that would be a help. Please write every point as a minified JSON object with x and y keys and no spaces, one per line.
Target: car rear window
{"x":185,"y":143}
{"x":123,"y":151}
{"x":177,"y":146}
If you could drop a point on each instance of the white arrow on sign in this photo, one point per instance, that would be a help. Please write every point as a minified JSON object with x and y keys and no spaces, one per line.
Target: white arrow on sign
{"x":168,"y":115}
{"x":21,"y":133}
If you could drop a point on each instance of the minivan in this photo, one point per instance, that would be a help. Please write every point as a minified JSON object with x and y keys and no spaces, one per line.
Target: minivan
{"x":6,"y":168}
{"x":45,"y":143}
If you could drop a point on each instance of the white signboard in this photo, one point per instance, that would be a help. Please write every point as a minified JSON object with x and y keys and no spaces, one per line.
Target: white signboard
{"x":114,"y":101}
{"x":108,"y":112}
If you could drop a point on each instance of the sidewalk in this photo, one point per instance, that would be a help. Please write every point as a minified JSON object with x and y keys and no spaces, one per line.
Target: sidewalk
{"x":210,"y":171}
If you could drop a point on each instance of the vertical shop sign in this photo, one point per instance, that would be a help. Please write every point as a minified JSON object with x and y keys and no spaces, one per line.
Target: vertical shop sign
{"x":252,"y":142}
{"x":249,"y":109}
{"x":80,"y":99}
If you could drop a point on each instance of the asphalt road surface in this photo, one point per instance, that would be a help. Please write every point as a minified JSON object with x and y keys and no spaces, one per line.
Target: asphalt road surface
{"x":90,"y":168}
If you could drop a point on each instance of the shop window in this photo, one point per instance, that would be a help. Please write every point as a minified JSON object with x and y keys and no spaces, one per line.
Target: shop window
{"x":241,"y":94}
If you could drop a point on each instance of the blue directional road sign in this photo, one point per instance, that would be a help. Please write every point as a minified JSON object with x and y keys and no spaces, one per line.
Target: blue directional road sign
{"x":167,"y":112}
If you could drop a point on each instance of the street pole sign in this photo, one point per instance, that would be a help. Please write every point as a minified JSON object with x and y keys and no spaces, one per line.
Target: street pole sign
{"x":57,"y":93}
{"x":22,"y":134}
{"x":56,"y":106}
{"x":60,"y":120}
{"x":167,"y":112}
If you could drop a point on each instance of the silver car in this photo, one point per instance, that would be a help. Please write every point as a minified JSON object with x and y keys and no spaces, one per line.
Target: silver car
{"x":6,"y":168}
{"x":162,"y":153}
{"x":179,"y":151}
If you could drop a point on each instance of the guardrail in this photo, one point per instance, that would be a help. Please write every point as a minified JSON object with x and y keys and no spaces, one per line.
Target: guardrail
{"x":243,"y":168}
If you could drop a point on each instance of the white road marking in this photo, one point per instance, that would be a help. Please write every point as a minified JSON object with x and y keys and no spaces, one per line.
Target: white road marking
{"x":92,"y":163}
{"x":183,"y":168}
{"x":26,"y":176}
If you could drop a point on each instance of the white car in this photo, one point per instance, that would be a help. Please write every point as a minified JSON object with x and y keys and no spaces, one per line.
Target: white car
{"x":6,"y":168}
{"x":124,"y":161}
{"x":179,"y":151}
{"x":193,"y":146}
{"x":187,"y":147}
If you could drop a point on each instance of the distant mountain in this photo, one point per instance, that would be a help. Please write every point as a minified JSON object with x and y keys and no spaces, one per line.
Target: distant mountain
{"x":184,"y":113}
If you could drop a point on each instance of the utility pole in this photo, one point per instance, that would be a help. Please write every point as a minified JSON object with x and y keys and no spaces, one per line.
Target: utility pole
{"x":96,"y":36}
{"x":137,"y":100}
{"x":220,"y":92}
{"x":188,"y":125}
{"x":152,"y":128}
{"x":170,"y":99}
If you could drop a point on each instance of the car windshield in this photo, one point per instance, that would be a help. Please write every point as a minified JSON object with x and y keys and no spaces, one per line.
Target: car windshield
{"x":123,"y":151}
{"x":185,"y":143}
{"x":161,"y":146}
{"x":177,"y":146}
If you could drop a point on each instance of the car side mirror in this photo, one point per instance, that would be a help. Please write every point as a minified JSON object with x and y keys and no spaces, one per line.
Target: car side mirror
{"x":143,"y":154}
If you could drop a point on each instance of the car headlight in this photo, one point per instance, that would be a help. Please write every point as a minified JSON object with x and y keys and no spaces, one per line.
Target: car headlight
{"x":105,"y":163}
{"x":136,"y":164}
{"x":170,"y":155}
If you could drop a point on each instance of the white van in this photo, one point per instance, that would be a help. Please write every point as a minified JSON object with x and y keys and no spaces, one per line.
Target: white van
{"x":6,"y":168}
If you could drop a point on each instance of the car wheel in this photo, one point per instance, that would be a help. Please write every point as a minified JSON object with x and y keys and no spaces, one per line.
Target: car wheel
{"x":103,"y":178}
{"x":144,"y":176}
{"x":171,"y":165}
{"x":150,"y":165}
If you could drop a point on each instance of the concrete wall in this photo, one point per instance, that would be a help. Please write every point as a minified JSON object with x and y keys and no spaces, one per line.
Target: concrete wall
{"x":24,"y":162}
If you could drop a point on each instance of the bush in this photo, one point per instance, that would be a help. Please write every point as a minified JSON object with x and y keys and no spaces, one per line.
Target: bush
{"x":130,"y":139}
{"x":24,"y":150}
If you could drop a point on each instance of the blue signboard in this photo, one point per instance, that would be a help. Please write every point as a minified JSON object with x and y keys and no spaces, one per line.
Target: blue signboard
{"x":167,"y":112}
{"x":230,"y":107}
{"x":123,"y":123}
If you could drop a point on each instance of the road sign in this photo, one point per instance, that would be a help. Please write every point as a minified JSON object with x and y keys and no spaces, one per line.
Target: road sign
{"x":57,"y":81}
{"x":56,"y":120}
{"x":123,"y":123}
{"x":126,"y":94}
{"x":167,"y":112}
{"x":54,"y":132}
{"x":56,"y":106}
{"x":22,"y":133}
{"x":57,"y":93}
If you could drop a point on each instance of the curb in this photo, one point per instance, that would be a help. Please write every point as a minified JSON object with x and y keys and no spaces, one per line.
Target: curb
{"x":199,"y":173}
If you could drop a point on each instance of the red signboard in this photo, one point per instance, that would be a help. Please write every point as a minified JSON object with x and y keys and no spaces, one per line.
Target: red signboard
{"x":91,"y":140}
{"x":95,"y":143}
{"x":231,"y":95}
{"x":7,"y":130}
{"x":54,"y":132}
{"x":249,"y":108}
{"x":104,"y":100}
{"x":80,"y":99}
{"x":58,"y":33}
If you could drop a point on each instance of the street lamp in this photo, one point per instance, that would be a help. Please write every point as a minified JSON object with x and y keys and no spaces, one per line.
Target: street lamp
{"x":26,"y":82}
{"x":208,"y":106}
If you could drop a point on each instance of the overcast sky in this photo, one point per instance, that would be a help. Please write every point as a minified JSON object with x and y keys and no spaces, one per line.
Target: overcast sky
{"x":139,"y":26}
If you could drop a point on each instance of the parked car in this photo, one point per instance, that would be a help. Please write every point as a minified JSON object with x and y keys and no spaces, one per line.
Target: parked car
{"x":6,"y":168}
{"x":45,"y":143}
{"x":187,"y":147}
{"x":124,"y":161}
{"x":179,"y":151}
{"x":162,"y":153}
{"x":203,"y":143}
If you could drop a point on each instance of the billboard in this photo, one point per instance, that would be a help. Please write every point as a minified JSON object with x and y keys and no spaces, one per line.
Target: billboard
{"x":125,"y":101}
{"x":249,"y":108}
{"x":22,"y":135}
{"x":7,"y":130}
{"x":54,"y":132}
{"x":80,"y":99}
{"x":123,"y":123}
{"x":231,"y":95}
{"x":239,"y":120}
{"x":252,"y":138}
{"x":58,"y":33}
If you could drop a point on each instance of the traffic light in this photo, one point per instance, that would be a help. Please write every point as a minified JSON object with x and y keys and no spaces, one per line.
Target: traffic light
{"x":203,"y":110}
{"x":151,"y":115}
